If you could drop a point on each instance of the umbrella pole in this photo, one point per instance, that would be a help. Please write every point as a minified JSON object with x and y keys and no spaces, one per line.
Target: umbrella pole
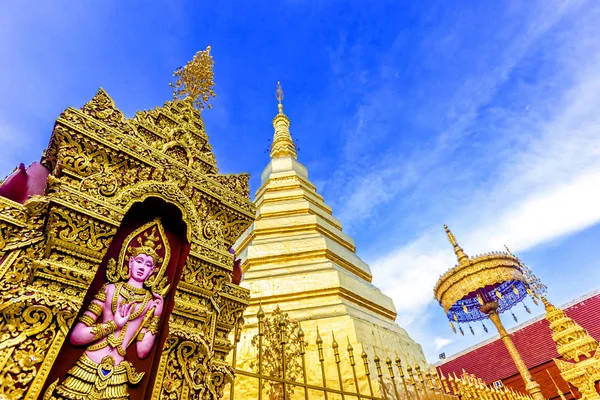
{"x":531,"y":385}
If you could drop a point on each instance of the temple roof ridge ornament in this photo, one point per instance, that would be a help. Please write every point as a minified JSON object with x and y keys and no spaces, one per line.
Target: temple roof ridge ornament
{"x":283,"y":145}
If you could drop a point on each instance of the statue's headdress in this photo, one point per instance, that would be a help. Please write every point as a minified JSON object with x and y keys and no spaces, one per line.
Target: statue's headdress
{"x":149,"y":244}
{"x":149,"y":239}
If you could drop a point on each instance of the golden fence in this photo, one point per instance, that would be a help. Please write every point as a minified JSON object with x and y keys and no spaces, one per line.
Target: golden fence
{"x":391,"y":380}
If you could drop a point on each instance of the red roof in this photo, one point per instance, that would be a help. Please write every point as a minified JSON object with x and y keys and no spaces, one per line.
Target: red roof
{"x":491,"y":361}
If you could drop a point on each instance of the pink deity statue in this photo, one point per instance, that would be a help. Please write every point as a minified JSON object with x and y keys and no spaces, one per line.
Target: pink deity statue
{"x":125,"y":311}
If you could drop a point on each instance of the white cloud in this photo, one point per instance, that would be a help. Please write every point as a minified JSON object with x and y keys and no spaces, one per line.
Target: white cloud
{"x":441,"y":342}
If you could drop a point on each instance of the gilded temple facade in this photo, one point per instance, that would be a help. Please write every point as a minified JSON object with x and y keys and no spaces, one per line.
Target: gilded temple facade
{"x":296,"y":255}
{"x":115,"y":189}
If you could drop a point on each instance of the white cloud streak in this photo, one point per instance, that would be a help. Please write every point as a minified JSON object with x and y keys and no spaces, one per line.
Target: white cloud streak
{"x":441,"y":342}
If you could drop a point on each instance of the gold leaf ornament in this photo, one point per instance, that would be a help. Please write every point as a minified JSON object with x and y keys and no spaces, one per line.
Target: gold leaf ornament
{"x":195,"y":80}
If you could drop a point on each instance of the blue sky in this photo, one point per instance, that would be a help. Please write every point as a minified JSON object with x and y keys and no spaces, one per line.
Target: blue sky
{"x":408,"y":115}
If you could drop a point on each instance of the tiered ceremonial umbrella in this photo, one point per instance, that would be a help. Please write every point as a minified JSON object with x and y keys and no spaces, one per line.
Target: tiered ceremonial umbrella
{"x":483,"y":287}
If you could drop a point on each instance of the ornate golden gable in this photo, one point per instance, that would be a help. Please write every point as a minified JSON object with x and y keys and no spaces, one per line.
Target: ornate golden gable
{"x":101,"y":164}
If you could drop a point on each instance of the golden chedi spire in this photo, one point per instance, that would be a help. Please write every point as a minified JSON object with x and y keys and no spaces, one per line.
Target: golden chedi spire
{"x":283,"y":145}
{"x":572,"y":341}
{"x":460,"y":254}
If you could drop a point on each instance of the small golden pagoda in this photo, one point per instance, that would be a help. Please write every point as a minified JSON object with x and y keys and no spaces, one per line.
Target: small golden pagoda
{"x":296,"y":255}
{"x":581,"y":364}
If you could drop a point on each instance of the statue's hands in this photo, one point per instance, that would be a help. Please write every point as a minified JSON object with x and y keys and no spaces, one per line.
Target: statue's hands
{"x":122,"y":315}
{"x":158,"y":304}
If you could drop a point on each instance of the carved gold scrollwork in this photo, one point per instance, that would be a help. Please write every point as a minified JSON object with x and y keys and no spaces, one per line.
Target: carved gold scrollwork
{"x":3,"y":229}
{"x":193,"y":358}
{"x":213,"y":232}
{"x":65,"y":320}
{"x":26,"y":332}
{"x":20,"y":322}
{"x":236,"y":183}
{"x":81,"y":230}
{"x":75,"y":157}
{"x":105,"y":183}
{"x":113,"y":274}
{"x":204,"y":378}
{"x":103,"y":108}
{"x":172,"y":381}
{"x":203,"y":274}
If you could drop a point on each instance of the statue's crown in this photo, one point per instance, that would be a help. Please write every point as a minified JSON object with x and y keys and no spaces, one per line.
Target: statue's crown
{"x":149,"y":243}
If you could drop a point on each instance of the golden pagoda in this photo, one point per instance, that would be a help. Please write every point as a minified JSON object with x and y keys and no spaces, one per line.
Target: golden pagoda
{"x":295,"y":255}
{"x":581,"y":364}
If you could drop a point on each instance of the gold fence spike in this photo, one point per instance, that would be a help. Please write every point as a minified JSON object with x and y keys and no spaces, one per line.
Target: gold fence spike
{"x":320,"y":345}
{"x":282,"y":325}
{"x":301,"y":339}
{"x":378,"y":365}
{"x":261,"y":320}
{"x":367,"y":371}
{"x":303,"y":358}
{"x":366,"y":363}
{"x":401,"y":372}
{"x":380,"y":374}
{"x":390,"y":369}
{"x":412,"y":380}
{"x":336,"y":353}
{"x":444,"y":382}
{"x":392,"y":377}
{"x":420,"y":377}
{"x":350,"y":350}
{"x":321,"y":360}
{"x":335,"y":347}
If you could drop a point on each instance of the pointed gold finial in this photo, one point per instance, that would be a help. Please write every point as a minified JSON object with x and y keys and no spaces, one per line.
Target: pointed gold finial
{"x":283,"y":145}
{"x":279,"y":95}
{"x":261,"y":313}
{"x":319,"y":338}
{"x":460,"y":254}
{"x":549,"y":306}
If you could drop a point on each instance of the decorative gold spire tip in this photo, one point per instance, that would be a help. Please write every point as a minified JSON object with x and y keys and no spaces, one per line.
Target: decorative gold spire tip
{"x":460,"y":254}
{"x":547,"y":304}
{"x":283,"y":145}
{"x":279,"y":95}
{"x":451,"y":237}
